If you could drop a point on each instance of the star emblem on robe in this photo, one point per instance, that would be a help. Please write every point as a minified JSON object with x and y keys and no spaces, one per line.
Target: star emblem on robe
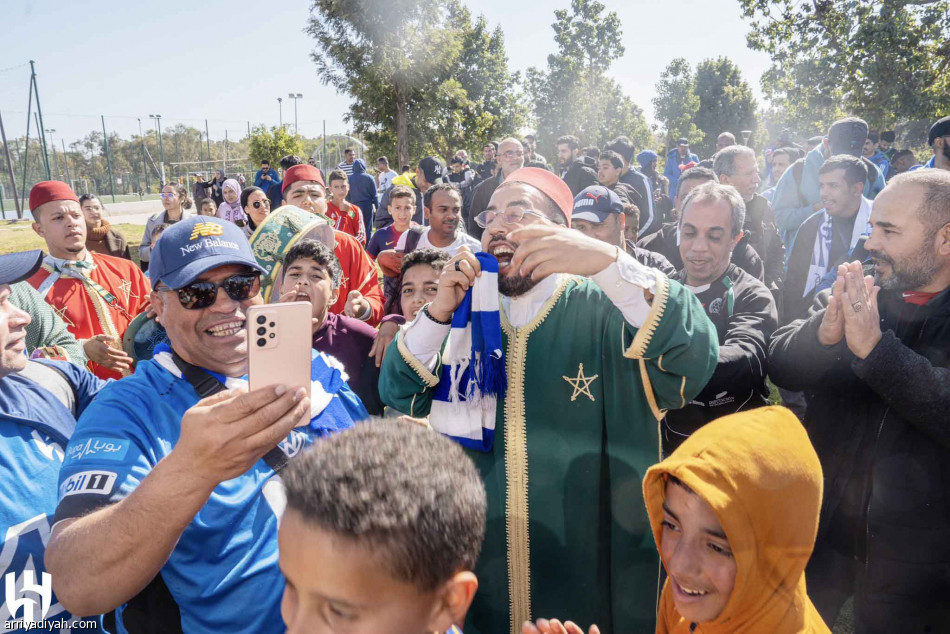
{"x":126,"y":287}
{"x":581,"y":383}
{"x":61,"y":313}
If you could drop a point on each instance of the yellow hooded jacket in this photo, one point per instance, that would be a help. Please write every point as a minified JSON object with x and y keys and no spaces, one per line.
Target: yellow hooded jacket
{"x":761,"y":476}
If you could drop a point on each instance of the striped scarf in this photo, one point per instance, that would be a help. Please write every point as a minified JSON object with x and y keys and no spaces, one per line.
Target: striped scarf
{"x":473,"y":366}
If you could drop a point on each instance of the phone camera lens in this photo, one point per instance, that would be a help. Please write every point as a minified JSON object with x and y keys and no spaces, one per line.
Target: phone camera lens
{"x":261,"y":342}
{"x":262,"y":319}
{"x":271,"y":335}
{"x":261,"y":330}
{"x":272,"y":324}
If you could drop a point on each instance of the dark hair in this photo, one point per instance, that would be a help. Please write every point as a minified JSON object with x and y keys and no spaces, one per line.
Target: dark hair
{"x":623,"y":146}
{"x":348,"y":150}
{"x":435,"y":258}
{"x":400,"y":490}
{"x":402,"y":191}
{"x":899,"y":154}
{"x":782,"y":150}
{"x":206,"y":200}
{"x":245,"y":194}
{"x":702,"y":174}
{"x":592,"y":151}
{"x":873,"y":137}
{"x":529,"y":137}
{"x":632,"y":212}
{"x":182,"y":192}
{"x":86,"y":197}
{"x":289,"y":161}
{"x":383,"y":159}
{"x":614,"y":158}
{"x":265,"y":162}
{"x":539,"y":164}
{"x":427,"y":197}
{"x":157,"y":229}
{"x":494,"y":144}
{"x":337,"y":175}
{"x":855,"y":171}
{"x":708,"y":163}
{"x":319,"y":253}
{"x":569,"y":139}
{"x":405,"y":168}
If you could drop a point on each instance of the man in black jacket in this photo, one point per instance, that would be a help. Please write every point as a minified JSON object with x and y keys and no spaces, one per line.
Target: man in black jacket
{"x":738,"y":304}
{"x":572,"y":168}
{"x":510,"y":159}
{"x":735,"y":165}
{"x":666,"y":240}
{"x":875,"y":364}
{"x":649,"y":219}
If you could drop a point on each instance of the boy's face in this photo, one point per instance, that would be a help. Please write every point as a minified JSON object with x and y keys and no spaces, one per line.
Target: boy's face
{"x":696,"y":555}
{"x":311,"y":282}
{"x":401,"y":210}
{"x":335,"y":584}
{"x":339,"y":189}
{"x":208,"y":209}
{"x":420,"y":284}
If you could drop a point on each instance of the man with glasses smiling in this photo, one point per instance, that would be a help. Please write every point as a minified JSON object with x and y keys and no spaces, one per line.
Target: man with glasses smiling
{"x":169,"y":504}
{"x":510,"y":159}
{"x":590,"y":366}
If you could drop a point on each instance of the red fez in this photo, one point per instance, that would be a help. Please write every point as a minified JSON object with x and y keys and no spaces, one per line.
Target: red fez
{"x":48,"y":191}
{"x":302,"y":173}
{"x":549,"y":184}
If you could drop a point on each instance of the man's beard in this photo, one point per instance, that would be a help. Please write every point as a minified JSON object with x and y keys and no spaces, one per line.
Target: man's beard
{"x":909,"y":274}
{"x":515,"y":285}
{"x":946,"y":150}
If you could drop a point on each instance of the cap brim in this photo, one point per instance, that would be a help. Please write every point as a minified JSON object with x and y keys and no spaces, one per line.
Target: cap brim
{"x":191,"y":271}
{"x":590,"y":216}
{"x":16,"y":267}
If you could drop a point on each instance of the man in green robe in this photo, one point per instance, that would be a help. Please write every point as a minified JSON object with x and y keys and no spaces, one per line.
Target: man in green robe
{"x":592,"y":365}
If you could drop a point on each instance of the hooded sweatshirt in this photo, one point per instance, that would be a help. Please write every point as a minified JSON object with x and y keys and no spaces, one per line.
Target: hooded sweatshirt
{"x":362,"y":185}
{"x":761,"y":476}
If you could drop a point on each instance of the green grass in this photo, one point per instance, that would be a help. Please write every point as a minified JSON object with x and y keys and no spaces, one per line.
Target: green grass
{"x":18,"y":235}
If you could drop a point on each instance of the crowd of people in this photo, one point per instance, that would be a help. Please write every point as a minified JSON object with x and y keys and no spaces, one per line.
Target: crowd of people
{"x":540,"y":396}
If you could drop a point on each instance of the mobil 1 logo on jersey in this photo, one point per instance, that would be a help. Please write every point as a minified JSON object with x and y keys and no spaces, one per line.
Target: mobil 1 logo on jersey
{"x":94,"y":482}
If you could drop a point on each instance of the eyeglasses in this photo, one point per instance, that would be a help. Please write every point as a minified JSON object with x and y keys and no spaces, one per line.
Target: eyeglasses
{"x":257,"y":204}
{"x":509,"y":217}
{"x":510,"y":154}
{"x":197,"y":295}
{"x":169,"y":195}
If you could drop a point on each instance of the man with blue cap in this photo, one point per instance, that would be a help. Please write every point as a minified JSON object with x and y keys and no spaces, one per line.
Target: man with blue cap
{"x":601,"y":214}
{"x":39,"y":402}
{"x":170,"y":493}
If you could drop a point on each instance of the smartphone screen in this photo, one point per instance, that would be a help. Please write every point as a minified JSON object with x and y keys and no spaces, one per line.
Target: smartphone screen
{"x":279,"y":341}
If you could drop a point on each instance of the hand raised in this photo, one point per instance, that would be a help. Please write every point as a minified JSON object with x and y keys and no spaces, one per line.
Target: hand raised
{"x":544,"y":249}
{"x":457,"y":277}
{"x":862,"y":321}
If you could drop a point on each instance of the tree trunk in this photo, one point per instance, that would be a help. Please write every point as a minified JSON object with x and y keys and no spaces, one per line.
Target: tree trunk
{"x":402,"y":130}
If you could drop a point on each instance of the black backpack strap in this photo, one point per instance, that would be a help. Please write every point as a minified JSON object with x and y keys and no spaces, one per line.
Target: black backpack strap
{"x":206,"y":385}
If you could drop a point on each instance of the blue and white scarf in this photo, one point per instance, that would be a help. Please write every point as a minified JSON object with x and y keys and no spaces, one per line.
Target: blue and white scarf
{"x":819,"y":267}
{"x":473,"y":366}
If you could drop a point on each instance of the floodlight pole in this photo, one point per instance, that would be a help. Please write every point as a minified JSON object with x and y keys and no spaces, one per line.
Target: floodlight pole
{"x":39,"y":111}
{"x":6,"y":151}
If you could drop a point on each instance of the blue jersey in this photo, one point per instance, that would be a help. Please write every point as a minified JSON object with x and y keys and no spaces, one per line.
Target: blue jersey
{"x":223,"y":574}
{"x":383,"y":240}
{"x":35,"y":425}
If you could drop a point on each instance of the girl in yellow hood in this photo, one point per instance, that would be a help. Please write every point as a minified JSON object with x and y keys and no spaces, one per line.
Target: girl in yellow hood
{"x":734,"y":512}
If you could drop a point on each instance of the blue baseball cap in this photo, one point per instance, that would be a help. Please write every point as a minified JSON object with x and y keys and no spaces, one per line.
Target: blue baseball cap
{"x":595,"y":204}
{"x":16,"y":267}
{"x":195,"y":245}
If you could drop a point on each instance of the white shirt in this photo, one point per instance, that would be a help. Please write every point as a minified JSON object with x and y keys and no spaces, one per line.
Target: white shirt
{"x":623,"y":282}
{"x":386,"y":180}
{"x":462,"y":240}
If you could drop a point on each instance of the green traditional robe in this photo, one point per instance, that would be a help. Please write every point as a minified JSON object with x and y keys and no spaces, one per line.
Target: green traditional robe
{"x":568,"y":535}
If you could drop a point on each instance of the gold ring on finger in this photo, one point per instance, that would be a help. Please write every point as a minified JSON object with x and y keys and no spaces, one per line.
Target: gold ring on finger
{"x":857,"y":306}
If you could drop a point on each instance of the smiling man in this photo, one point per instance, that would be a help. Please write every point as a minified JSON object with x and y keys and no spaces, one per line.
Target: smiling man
{"x":874,"y":360}
{"x":96,"y":295}
{"x":186,"y":492}
{"x":739,"y":305}
{"x":589,"y":364}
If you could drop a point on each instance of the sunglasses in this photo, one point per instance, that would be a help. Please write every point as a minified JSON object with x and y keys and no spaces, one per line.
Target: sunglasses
{"x":257,"y":204}
{"x":198,"y":295}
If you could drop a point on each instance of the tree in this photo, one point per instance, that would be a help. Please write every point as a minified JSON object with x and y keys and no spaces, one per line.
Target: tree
{"x":573,"y":95}
{"x":676,"y":101}
{"x":883,"y":60}
{"x":726,"y":103}
{"x":271,"y":145}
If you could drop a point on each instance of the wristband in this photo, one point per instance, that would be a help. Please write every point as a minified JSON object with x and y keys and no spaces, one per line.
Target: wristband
{"x":425,"y":311}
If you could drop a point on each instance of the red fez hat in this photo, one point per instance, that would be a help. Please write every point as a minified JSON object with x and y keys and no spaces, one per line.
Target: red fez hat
{"x":302,"y":173}
{"x":48,"y":191}
{"x":549,"y":184}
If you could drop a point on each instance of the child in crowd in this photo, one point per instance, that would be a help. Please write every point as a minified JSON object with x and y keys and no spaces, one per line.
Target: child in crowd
{"x":206,"y":207}
{"x":418,"y":283}
{"x":734,"y":512}
{"x":346,"y":216}
{"x":311,"y":273}
{"x":402,"y":205}
{"x":382,"y":528}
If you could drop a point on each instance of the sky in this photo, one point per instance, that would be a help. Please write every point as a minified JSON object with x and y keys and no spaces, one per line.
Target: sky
{"x":229,"y":62}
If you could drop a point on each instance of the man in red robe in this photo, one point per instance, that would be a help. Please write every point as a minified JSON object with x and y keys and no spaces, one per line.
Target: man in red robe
{"x":360,"y":294}
{"x":96,"y":295}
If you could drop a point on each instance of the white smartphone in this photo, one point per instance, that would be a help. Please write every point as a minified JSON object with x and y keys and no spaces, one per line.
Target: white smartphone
{"x":279,"y":341}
